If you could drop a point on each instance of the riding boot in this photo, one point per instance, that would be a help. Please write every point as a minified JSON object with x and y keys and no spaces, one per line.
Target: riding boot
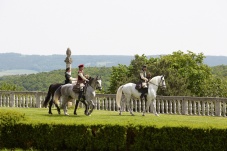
{"x":80,"y":95}
{"x":83,"y":97}
{"x":142,"y":95}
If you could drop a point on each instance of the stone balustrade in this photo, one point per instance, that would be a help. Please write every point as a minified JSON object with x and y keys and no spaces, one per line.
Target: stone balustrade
{"x":181,"y":105}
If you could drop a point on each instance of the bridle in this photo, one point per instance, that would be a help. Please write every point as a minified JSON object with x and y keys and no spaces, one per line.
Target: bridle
{"x":161,"y":81}
{"x":95,"y":85}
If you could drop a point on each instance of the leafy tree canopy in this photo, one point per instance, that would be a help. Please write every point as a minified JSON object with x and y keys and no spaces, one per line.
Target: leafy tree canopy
{"x":185,"y":74}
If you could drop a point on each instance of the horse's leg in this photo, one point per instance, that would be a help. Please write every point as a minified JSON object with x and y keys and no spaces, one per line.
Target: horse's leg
{"x":86,"y":105}
{"x":147,"y":104}
{"x":92,"y":107}
{"x":76,"y":106}
{"x":65,"y":109}
{"x":50,"y":105}
{"x":64,"y":104}
{"x":128,"y":104}
{"x":154,"y":107}
{"x":57,"y":106}
{"x":122,"y":102}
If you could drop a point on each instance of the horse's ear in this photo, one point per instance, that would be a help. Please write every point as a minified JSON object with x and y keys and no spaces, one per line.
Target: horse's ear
{"x":98,"y":77}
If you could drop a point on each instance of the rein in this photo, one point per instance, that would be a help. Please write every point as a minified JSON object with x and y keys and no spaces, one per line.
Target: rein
{"x":158,"y":84}
{"x":91,"y":83}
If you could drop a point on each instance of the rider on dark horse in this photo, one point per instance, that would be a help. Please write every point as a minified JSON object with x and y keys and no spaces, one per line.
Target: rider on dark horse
{"x":68,"y":77}
{"x":81,"y":80}
{"x":143,"y":79}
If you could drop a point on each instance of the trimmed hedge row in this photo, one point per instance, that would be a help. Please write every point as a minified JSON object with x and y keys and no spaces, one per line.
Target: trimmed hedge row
{"x":110,"y":137}
{"x":25,"y":135}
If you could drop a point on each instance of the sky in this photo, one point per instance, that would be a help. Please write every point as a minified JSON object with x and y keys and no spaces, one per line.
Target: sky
{"x":113,"y":27}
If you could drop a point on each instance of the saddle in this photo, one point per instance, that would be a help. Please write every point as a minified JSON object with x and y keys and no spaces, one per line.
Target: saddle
{"x":76,"y":88}
{"x":139,"y":88}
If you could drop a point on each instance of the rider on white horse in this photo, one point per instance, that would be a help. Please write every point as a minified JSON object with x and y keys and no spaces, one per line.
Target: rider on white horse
{"x":81,"y":80}
{"x":144,"y":80}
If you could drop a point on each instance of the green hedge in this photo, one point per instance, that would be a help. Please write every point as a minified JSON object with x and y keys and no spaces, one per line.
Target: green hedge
{"x":109,"y":137}
{"x":15,"y":133}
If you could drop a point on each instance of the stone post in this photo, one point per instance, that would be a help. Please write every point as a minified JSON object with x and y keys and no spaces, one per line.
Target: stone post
{"x":218,"y":107}
{"x":12,"y":100}
{"x":68,"y":59}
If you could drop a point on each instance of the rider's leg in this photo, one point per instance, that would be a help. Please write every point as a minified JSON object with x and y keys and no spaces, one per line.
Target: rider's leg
{"x":81,"y":91}
{"x":142,"y":93}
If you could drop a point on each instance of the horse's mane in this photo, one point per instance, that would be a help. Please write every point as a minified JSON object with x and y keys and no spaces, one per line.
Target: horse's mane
{"x":154,"y":79}
{"x":90,"y":80}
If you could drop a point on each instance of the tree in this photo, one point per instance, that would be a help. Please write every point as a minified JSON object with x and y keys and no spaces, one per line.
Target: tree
{"x":9,"y":87}
{"x":118,"y":77}
{"x":187,"y":67}
{"x":185,"y":73}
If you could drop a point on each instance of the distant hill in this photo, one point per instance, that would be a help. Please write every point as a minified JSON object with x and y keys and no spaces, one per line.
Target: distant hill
{"x":215,"y":60}
{"x":42,"y":63}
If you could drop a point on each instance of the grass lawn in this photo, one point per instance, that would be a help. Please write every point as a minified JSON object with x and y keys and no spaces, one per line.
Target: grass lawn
{"x":40,"y":115}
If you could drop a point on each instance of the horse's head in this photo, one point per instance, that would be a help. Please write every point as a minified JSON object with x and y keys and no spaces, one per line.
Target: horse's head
{"x":158,"y":81}
{"x":96,"y":83}
{"x":162,"y":82}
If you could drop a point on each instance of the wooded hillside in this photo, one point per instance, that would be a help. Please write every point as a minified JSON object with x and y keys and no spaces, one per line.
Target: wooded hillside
{"x":187,"y":74}
{"x":41,"y":81}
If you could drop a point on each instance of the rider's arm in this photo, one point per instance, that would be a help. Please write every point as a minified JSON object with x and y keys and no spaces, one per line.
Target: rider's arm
{"x":73,"y":79}
{"x":82,"y":76}
{"x":142,"y":77}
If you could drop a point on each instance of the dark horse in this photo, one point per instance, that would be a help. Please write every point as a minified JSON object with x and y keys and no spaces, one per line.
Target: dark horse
{"x":50,"y":96}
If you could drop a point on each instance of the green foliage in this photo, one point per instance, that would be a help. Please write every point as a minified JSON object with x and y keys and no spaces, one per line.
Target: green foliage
{"x":9,"y":87}
{"x":41,"y":81}
{"x":178,"y":138}
{"x":185,"y":74}
{"x":118,"y":77}
{"x":186,"y":71}
{"x":100,"y":132}
{"x":10,"y":117}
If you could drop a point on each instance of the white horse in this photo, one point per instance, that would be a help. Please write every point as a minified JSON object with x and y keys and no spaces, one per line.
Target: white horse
{"x":68,"y":95}
{"x":129,"y":92}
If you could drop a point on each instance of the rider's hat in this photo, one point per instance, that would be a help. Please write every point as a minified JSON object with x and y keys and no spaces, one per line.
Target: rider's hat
{"x":144,"y":66}
{"x":81,"y":65}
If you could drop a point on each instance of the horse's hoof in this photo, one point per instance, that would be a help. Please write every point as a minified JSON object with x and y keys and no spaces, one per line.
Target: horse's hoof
{"x":50,"y":113}
{"x":119,"y":113}
{"x":88,"y":114}
{"x":143,"y":115}
{"x":66,"y":114}
{"x":156,"y":115}
{"x":75,"y":113}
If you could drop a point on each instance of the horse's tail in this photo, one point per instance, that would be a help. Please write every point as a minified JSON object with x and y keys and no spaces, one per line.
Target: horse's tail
{"x":47,"y":98}
{"x":118,"y":96}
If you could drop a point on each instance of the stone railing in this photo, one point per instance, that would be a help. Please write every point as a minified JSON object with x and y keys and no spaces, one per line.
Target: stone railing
{"x":181,"y":105}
